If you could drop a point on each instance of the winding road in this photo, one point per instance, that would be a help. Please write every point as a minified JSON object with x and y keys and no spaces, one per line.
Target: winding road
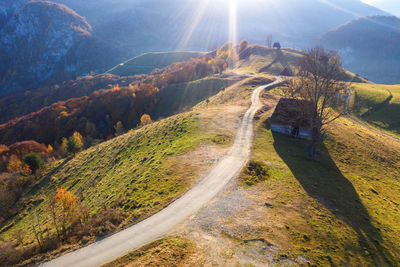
{"x":161,"y":223}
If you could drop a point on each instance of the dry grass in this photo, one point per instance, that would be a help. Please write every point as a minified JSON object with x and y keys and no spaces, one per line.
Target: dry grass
{"x":171,"y":251}
{"x":341,"y":210}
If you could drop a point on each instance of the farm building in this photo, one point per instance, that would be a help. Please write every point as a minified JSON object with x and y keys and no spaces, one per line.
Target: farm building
{"x":292,"y":117}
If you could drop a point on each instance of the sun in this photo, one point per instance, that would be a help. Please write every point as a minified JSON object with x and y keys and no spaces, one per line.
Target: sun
{"x":229,"y":9}
{"x":233,"y":21}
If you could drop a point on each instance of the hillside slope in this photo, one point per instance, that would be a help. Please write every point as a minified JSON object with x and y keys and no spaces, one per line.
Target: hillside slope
{"x":128,"y":178}
{"x":45,"y":42}
{"x":369,"y":47}
{"x":378,"y":105}
{"x":285,"y":210}
{"x":262,"y":59}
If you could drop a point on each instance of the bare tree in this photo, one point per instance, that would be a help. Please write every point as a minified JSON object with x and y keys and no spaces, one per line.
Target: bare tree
{"x":37,"y":230}
{"x":269,"y":41}
{"x":320,"y":82}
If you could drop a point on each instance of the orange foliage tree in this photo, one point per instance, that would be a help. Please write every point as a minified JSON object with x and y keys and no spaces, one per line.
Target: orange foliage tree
{"x":14,"y":164}
{"x":65,"y":210}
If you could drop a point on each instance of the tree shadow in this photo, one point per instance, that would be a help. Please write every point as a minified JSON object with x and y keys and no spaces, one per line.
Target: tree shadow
{"x":323,"y":181}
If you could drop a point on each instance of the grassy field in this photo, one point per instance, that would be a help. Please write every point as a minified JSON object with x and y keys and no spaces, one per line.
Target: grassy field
{"x":344,"y":209}
{"x":146,"y":63}
{"x":378,"y":105}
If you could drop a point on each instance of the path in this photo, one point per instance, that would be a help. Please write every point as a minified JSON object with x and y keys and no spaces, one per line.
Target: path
{"x":162,"y":222}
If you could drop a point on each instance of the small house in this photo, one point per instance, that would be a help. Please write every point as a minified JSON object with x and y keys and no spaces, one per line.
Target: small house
{"x":292,"y":117}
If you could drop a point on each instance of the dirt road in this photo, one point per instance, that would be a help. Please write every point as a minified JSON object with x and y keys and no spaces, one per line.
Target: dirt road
{"x":162,"y":222}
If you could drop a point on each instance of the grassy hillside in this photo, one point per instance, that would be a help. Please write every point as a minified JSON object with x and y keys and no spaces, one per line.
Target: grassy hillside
{"x":261,"y":59}
{"x":136,"y":174}
{"x":146,"y":63}
{"x":133,"y":169}
{"x":342,"y":209}
{"x":378,"y":105}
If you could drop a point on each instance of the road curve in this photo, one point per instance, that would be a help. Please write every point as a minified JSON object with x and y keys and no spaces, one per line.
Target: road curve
{"x":161,"y":223}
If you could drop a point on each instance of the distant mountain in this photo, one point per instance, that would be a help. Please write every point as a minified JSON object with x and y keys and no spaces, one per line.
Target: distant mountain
{"x":154,"y":25}
{"x":8,"y":9}
{"x":43,"y":42}
{"x":48,"y":42}
{"x":369,"y":46}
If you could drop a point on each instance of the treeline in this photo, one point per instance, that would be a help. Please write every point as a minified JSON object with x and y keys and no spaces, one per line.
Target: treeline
{"x":93,"y":116}
{"x":21,"y":103}
{"x":107,"y":112}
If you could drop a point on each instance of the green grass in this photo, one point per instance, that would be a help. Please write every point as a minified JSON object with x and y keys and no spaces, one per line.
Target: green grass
{"x":342,"y":210}
{"x":378,"y":105}
{"x":138,"y":170}
{"x":146,"y":63}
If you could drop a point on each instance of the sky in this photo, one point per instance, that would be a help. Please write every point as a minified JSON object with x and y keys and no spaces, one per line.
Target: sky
{"x":391,"y":6}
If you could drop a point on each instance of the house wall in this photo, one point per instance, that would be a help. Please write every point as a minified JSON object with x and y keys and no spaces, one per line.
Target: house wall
{"x":288,"y":129}
{"x":305,"y":133}
{"x":284,"y":129}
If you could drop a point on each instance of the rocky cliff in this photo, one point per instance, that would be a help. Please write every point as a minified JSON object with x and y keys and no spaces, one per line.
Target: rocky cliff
{"x":48,"y":42}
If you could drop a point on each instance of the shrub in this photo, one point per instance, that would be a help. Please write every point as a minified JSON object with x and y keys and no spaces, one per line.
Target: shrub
{"x":74,"y":143}
{"x":255,"y":172}
{"x":33,"y":161}
{"x":14,"y":164}
{"x":145,"y":120}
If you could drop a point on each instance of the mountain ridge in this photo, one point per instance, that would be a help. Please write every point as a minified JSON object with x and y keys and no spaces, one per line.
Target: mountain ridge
{"x":372,"y":51}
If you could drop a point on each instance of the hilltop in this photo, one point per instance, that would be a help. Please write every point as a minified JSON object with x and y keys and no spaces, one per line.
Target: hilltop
{"x":369,"y":47}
